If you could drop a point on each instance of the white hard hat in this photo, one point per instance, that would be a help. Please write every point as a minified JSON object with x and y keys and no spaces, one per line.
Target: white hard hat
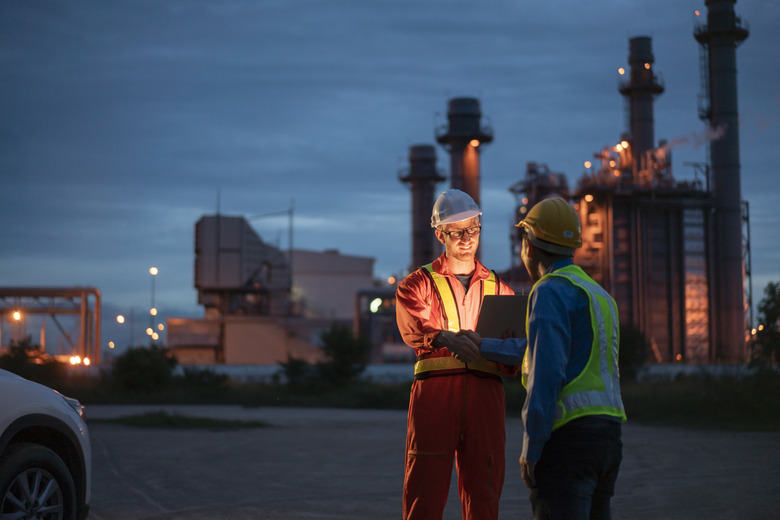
{"x":453,"y":206}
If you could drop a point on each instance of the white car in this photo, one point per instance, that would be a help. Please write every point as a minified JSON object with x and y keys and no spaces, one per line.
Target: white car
{"x":45,"y":452}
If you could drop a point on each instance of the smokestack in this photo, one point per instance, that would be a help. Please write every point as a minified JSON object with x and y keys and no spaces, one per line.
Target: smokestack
{"x":640,"y":92}
{"x":462,"y":140}
{"x":422,"y":177}
{"x":719,"y":40}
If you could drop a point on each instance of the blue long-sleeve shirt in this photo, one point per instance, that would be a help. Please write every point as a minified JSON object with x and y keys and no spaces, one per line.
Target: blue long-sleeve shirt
{"x":559,"y":345}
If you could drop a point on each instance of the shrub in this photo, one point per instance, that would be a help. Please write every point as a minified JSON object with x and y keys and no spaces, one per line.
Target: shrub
{"x":766,"y":345}
{"x":202,"y":378}
{"x":296,"y":371}
{"x":346,"y":355}
{"x":29,"y":361}
{"x":346,"y":358}
{"x":143,"y":370}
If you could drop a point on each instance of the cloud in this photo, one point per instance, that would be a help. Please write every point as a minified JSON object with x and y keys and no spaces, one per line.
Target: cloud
{"x":121,"y":123}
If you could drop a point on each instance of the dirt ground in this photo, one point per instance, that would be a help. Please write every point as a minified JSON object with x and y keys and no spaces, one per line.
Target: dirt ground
{"x":348,"y":464}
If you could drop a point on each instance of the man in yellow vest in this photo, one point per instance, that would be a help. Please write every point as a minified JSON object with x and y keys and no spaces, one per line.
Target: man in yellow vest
{"x":573,"y":410}
{"x":457,"y":403}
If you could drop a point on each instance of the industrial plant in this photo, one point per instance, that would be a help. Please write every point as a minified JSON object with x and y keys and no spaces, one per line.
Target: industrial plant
{"x":674,"y":254}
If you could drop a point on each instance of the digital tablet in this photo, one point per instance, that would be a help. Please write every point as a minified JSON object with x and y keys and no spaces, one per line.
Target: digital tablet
{"x":502,"y":313}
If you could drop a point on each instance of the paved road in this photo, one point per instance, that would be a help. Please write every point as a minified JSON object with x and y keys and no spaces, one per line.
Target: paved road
{"x":348,"y":464}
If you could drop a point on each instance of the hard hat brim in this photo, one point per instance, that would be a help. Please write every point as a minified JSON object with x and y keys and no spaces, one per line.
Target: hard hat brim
{"x":458,"y":217}
{"x":555,"y":249}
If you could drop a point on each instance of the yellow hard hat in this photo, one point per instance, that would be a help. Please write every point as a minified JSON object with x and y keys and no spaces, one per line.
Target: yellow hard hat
{"x":554,"y":226}
{"x":453,"y":206}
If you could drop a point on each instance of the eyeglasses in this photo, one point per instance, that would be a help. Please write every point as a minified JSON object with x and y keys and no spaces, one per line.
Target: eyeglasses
{"x":457,"y":235}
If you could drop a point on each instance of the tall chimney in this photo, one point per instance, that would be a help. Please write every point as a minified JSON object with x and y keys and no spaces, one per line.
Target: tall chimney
{"x":640,"y":91}
{"x":719,"y":39}
{"x":462,"y":140}
{"x":422,"y":177}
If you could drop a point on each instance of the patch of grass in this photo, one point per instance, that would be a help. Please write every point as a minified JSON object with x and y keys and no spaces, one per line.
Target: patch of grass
{"x":697,"y":401}
{"x":163,"y":419}
{"x":725,"y":403}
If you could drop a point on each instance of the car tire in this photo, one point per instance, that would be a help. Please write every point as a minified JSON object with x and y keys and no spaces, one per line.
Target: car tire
{"x":33,"y":479}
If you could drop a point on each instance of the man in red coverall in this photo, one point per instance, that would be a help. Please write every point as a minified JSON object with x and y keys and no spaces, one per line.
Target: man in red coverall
{"x":457,"y":403}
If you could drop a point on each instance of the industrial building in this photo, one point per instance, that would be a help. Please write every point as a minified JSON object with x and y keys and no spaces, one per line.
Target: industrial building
{"x":262,"y":304}
{"x":674,"y":254}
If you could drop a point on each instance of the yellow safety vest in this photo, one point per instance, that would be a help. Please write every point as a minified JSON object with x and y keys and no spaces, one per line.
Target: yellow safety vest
{"x":424,"y":367}
{"x":596,"y":390}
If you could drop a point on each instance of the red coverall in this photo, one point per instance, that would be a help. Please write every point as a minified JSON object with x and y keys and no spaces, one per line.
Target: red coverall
{"x":455,"y":411}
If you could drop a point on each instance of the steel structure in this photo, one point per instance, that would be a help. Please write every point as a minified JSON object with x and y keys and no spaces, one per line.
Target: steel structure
{"x":54,"y":301}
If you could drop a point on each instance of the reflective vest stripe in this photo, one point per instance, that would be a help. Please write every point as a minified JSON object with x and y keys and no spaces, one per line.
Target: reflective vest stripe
{"x":450,"y":363}
{"x":489,"y":286}
{"x":596,"y":390}
{"x":591,"y":398}
{"x":450,"y":309}
{"x":590,"y":393}
{"x":603,"y":304}
{"x":447,"y":299}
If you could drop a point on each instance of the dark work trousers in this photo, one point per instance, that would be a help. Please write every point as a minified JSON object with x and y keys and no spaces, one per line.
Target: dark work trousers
{"x":576,"y":474}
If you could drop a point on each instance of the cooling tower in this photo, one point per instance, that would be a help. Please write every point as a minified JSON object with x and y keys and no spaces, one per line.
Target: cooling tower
{"x":422,"y":177}
{"x":719,"y":39}
{"x":462,"y":139}
{"x":640,"y":92}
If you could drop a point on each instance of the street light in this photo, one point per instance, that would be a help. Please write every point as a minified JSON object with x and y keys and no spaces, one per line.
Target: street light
{"x":18,"y":325}
{"x":121,"y":320}
{"x":152,"y":310}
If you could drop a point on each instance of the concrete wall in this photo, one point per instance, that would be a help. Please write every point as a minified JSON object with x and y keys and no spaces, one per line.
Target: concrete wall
{"x":264,"y":341}
{"x":250,"y":340}
{"x":325,"y":283}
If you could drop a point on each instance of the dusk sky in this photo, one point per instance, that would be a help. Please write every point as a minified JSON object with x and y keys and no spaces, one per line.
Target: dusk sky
{"x":123,"y":122}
